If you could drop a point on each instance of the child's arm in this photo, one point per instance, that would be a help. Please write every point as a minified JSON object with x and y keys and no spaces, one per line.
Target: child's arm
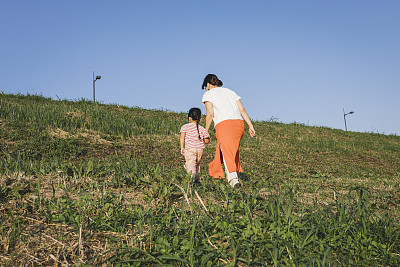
{"x":182,"y":141}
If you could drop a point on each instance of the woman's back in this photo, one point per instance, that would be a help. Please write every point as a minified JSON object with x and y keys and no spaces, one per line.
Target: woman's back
{"x":224,"y":102}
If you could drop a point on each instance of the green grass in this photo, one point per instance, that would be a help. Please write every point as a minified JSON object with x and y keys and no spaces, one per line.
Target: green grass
{"x":85,"y":183}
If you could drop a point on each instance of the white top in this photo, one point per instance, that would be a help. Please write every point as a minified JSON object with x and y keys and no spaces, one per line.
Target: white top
{"x":224,"y":104}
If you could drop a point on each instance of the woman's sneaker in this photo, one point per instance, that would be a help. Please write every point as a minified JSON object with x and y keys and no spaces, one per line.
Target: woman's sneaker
{"x":234,"y":183}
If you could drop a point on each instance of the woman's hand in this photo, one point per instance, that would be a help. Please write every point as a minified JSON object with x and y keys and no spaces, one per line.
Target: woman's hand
{"x":252,"y":131}
{"x":183,"y":151}
{"x":246,"y":118}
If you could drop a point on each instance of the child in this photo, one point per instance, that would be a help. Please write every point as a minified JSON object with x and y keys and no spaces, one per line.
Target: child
{"x":192,"y":139}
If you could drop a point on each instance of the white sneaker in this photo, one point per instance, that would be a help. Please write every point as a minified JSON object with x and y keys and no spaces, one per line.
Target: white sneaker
{"x":234,"y":183}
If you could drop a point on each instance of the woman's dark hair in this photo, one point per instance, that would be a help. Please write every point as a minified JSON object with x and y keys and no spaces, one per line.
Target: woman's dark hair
{"x":211,"y":79}
{"x":195,"y":114}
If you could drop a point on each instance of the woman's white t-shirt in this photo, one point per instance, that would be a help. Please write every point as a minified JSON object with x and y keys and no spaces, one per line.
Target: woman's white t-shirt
{"x":224,"y":104}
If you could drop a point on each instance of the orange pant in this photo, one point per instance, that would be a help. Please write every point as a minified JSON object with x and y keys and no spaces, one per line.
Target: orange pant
{"x":193,"y":158}
{"x":228,"y":133}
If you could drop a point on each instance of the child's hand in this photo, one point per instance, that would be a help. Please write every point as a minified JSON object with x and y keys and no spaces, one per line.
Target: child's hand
{"x":183,"y":151}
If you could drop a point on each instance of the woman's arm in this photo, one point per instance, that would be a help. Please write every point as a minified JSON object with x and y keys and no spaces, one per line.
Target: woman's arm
{"x":210,"y":114}
{"x":246,"y":118}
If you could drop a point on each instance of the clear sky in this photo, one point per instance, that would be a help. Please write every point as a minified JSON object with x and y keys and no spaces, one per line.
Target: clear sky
{"x":295,"y":61}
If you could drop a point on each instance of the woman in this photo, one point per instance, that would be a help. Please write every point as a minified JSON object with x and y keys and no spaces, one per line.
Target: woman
{"x":226,"y":110}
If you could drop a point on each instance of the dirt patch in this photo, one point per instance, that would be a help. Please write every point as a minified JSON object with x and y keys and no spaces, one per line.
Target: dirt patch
{"x":93,"y":136}
{"x":73,"y":114}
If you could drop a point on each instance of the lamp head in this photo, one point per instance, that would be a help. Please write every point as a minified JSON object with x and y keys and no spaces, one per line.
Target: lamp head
{"x":98,"y":77}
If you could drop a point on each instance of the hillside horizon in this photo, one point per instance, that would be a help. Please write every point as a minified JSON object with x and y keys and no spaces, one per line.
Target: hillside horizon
{"x":270,"y":119}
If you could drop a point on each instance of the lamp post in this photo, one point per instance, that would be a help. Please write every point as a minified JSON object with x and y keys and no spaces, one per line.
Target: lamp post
{"x":94,"y":89}
{"x":344,"y":116}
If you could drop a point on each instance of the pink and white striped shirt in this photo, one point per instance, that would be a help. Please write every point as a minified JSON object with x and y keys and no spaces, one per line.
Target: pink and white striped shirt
{"x":192,"y":136}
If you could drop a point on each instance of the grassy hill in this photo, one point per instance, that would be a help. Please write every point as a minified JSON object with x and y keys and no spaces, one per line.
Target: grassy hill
{"x":95,"y":184}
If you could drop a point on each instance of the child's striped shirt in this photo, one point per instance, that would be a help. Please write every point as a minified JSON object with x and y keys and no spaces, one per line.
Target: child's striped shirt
{"x":192,"y":136}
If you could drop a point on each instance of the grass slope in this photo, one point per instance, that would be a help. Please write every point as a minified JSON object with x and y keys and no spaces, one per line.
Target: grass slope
{"x":87,"y":183}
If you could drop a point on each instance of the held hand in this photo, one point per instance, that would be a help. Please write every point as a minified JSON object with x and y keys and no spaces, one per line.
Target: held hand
{"x":183,"y":151}
{"x":252,"y":132}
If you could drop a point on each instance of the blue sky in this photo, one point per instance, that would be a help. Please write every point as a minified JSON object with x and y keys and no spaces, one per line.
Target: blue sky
{"x":296,"y":61}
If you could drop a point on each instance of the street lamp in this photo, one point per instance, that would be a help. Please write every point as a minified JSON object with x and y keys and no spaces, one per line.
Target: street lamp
{"x":344,"y":116}
{"x":94,"y":89}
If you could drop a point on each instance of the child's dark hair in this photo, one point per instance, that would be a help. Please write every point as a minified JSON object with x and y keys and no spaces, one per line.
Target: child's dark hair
{"x":195,"y":114}
{"x":211,"y":79}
